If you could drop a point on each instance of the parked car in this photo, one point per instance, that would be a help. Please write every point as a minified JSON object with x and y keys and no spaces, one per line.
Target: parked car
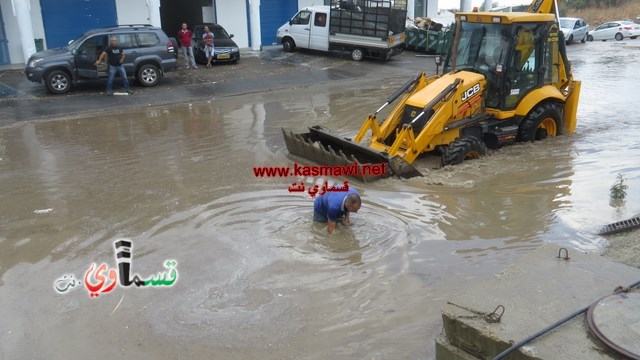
{"x":225,"y":49}
{"x":615,"y":30}
{"x":574,"y":29}
{"x":149,"y":53}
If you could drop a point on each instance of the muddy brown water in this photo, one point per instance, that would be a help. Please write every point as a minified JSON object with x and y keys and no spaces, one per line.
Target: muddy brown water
{"x":257,"y":279}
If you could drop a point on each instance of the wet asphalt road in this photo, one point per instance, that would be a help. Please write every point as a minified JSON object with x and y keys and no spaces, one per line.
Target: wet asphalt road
{"x":258,"y":279}
{"x":269,"y":70}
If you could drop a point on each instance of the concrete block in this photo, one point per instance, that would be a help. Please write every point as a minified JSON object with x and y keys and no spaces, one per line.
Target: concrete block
{"x":446,"y":351}
{"x":536,"y":291}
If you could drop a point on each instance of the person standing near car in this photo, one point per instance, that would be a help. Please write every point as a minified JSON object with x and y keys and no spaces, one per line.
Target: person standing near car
{"x":184,"y":37}
{"x":207,"y":39}
{"x":115,"y":55}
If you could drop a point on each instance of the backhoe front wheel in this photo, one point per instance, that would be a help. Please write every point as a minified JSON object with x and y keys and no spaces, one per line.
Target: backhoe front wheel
{"x":545,"y":120}
{"x":463,"y":149}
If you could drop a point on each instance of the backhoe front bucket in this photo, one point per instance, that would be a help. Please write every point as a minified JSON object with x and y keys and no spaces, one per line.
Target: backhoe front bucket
{"x":322,"y":147}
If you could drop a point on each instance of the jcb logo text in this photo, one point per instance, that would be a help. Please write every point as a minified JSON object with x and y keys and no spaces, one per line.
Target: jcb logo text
{"x":470,"y":92}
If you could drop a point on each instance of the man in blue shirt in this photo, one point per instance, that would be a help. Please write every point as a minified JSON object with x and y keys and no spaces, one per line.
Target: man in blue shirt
{"x":332,"y":206}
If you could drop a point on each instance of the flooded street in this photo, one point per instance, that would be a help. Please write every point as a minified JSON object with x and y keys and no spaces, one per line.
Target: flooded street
{"x":257,"y":278}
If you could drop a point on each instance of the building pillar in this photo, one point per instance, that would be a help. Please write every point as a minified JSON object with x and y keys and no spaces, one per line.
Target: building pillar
{"x":22,"y":11}
{"x":154,"y":12}
{"x":254,"y":21}
{"x":411,"y":8}
{"x":432,"y":8}
{"x":465,"y":6}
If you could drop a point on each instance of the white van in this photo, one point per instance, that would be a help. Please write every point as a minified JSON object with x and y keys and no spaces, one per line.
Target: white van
{"x":370,"y":31}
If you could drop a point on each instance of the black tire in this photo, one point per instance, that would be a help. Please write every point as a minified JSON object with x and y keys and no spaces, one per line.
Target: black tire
{"x":357,"y":54}
{"x":58,"y":82}
{"x":148,"y":75}
{"x":633,"y":37}
{"x":461,"y":149}
{"x":589,"y":37}
{"x":619,"y":37}
{"x":544,"y":120}
{"x":584,"y":39}
{"x":288,"y":45}
{"x":570,"y":39}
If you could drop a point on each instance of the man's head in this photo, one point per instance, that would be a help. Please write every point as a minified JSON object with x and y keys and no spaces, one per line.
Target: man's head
{"x":114,"y":41}
{"x":352,"y":203}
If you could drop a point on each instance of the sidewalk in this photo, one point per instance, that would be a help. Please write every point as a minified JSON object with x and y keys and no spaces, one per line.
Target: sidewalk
{"x":269,"y":69}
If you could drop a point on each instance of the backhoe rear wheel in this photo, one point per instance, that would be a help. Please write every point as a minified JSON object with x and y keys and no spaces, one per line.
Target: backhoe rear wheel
{"x":545,"y":120}
{"x":463,"y":149}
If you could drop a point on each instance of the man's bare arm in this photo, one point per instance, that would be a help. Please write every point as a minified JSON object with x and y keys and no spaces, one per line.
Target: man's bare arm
{"x":330,"y":226}
{"x":101,"y":58}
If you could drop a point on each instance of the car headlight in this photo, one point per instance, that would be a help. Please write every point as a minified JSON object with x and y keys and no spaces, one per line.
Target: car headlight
{"x":235,"y":50}
{"x":33,"y":63}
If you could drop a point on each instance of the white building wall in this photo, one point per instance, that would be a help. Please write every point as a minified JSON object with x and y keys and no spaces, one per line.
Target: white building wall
{"x":305,"y":3}
{"x":132,"y":12}
{"x":232,"y":15}
{"x":13,"y":31}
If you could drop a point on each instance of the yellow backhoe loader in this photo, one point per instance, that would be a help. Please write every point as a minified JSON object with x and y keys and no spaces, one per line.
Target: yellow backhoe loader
{"x":506,"y":78}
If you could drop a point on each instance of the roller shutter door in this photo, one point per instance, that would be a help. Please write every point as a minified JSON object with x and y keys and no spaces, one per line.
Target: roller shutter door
{"x":65,"y":20}
{"x":274,"y":13}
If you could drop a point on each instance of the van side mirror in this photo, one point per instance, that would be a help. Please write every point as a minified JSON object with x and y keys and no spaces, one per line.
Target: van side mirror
{"x":290,"y":22}
{"x":231,"y":36}
{"x":74,"y":52}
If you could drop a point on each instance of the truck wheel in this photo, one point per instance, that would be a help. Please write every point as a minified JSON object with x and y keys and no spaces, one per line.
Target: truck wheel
{"x":462,"y":149}
{"x":288,"y":45}
{"x":148,"y":75}
{"x":357,"y":54}
{"x":58,"y":82}
{"x":545,"y":120}
{"x":619,"y":36}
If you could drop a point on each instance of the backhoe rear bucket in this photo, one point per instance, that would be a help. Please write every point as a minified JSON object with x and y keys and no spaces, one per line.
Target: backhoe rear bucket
{"x":322,"y":147}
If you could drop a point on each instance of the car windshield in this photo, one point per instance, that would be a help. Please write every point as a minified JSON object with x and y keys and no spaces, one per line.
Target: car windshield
{"x":77,"y":42}
{"x":218,"y":33}
{"x":480,"y":43}
{"x":566,"y":23}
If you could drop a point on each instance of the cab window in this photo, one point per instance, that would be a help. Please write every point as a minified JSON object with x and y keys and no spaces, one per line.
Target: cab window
{"x":320,"y":20}
{"x":302,"y":18}
{"x":527,"y":58}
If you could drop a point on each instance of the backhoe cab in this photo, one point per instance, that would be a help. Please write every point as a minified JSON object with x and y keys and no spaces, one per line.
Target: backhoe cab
{"x":506,"y":79}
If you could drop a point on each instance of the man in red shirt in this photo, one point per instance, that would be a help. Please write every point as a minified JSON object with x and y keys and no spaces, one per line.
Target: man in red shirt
{"x":184,"y":38}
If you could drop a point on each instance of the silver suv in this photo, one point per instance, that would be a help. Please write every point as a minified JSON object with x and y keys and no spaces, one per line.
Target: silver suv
{"x":149,"y":53}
